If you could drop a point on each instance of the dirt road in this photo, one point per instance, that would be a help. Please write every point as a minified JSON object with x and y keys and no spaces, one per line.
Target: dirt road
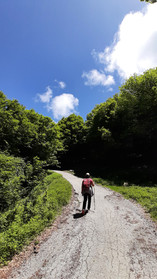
{"x":114,"y":241}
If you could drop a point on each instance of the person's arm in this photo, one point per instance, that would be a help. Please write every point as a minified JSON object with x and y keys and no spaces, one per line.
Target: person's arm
{"x":92,"y":182}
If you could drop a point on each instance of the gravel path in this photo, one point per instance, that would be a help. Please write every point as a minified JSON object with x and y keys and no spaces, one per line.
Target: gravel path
{"x":114,"y":241}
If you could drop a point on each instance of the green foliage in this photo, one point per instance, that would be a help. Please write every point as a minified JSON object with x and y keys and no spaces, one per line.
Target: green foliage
{"x":149,"y":1}
{"x":138,"y":102}
{"x":103,"y":182}
{"x":31,"y":214}
{"x":29,"y":143}
{"x":121,"y":133}
{"x":136,"y":118}
{"x":17,"y":179}
{"x":27,"y":134}
{"x":101,"y":118}
{"x":11,"y":179}
{"x":118,"y":139}
{"x":72,"y":130}
{"x":72,"y":136}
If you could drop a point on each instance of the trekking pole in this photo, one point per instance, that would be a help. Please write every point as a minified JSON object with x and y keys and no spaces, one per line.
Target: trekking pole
{"x":94,"y":197}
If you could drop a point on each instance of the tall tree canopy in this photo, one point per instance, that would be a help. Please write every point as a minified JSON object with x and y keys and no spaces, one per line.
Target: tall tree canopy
{"x":119,"y":133}
{"x":123,"y":130}
{"x":72,"y":130}
{"x":72,"y":137}
{"x":150,"y":1}
{"x":136,"y":113}
{"x":26,"y":133}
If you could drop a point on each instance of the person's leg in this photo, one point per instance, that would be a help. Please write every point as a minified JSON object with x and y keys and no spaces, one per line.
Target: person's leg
{"x":89,"y":201}
{"x":84,"y":201}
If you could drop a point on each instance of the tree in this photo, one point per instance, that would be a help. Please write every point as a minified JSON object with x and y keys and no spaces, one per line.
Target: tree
{"x":27,"y":134}
{"x":135,"y":123}
{"x":72,"y":130}
{"x":10,"y":114}
{"x":100,"y":142}
{"x":42,"y":137}
{"x":11,"y":178}
{"x":149,"y":1}
{"x":72,"y":136}
{"x":122,"y":131}
{"x":136,"y":112}
{"x":101,"y":118}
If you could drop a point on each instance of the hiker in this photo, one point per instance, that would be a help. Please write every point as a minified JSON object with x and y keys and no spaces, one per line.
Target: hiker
{"x":87,"y":191}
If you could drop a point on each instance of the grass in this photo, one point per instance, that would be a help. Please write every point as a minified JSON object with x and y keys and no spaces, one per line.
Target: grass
{"x":31,"y":215}
{"x":146,"y":196}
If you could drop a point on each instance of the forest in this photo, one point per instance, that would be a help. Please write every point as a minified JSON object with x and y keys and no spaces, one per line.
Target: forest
{"x":117,"y":141}
{"x":118,"y":137}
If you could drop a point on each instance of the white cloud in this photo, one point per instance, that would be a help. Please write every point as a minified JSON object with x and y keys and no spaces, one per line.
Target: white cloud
{"x":110,"y":89}
{"x":63,"y":105}
{"x":46,"y":96}
{"x":135,"y":44}
{"x":94,"y":78}
{"x":62,"y":84}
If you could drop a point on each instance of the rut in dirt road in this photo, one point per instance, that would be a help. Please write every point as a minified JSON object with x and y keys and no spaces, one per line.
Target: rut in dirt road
{"x":115,"y":241}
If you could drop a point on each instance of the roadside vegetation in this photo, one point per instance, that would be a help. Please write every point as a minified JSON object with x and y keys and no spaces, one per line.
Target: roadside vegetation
{"x":118,"y":139}
{"x":31,"y":214}
{"x":146,"y":196}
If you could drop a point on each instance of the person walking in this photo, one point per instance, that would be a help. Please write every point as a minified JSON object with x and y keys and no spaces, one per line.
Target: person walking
{"x":87,"y":191}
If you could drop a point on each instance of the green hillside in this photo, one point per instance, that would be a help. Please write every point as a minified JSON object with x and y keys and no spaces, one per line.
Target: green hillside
{"x":27,"y":215}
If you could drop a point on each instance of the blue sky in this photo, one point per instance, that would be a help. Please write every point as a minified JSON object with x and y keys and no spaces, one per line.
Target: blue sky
{"x":65,"y":56}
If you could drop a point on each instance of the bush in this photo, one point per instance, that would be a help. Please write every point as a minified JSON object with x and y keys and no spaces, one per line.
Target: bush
{"x":11,"y":179}
{"x":32,"y":214}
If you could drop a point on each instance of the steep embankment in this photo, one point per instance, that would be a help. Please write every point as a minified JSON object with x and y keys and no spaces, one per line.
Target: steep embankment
{"x":29,"y":214}
{"x":114,"y":241}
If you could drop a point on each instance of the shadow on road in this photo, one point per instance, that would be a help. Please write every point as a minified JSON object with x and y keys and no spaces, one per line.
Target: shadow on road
{"x":79,"y":215}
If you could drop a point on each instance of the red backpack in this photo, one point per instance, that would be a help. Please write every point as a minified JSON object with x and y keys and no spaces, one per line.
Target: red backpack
{"x":86,"y":182}
{"x":86,"y":185}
